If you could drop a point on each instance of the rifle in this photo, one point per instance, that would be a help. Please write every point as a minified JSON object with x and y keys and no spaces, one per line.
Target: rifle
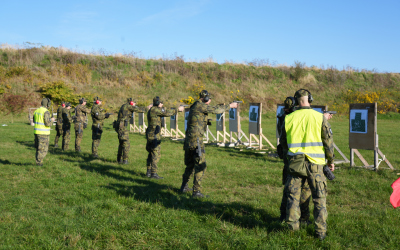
{"x":238,"y":101}
{"x":330,"y":112}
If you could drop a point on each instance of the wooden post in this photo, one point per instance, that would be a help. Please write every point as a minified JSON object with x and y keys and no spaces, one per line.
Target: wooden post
{"x":351,"y":157}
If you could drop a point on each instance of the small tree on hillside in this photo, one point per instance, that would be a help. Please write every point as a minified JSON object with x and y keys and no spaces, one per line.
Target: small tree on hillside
{"x":13,"y":104}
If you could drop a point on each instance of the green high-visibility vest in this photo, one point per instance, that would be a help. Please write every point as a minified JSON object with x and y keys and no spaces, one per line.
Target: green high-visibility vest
{"x":40,"y":127}
{"x":303,"y":130}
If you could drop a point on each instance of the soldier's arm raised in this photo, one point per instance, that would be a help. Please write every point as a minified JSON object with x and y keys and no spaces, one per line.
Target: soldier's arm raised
{"x":218,"y":109}
{"x":167,"y":112}
{"x":98,"y":114}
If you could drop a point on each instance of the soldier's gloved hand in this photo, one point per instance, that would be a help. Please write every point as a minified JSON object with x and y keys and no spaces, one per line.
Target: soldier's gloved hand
{"x":107,"y":115}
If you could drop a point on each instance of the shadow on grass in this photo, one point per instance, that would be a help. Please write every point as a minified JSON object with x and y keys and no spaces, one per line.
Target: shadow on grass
{"x":7,"y":162}
{"x":246,"y":153}
{"x":154,"y":191}
{"x":58,"y":151}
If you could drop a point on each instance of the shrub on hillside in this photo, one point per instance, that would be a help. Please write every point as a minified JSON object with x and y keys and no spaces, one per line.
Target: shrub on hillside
{"x":58,"y":91}
{"x":13,"y":104}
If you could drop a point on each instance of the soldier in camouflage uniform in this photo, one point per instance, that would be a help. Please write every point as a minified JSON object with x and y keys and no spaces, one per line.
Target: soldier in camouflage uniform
{"x":305,"y":191}
{"x":153,"y":135}
{"x":98,"y":116}
{"x":306,"y":160}
{"x":59,"y":123}
{"x":81,"y":112}
{"x":42,"y":122}
{"x":195,"y":156}
{"x":67,"y":119}
{"x":124,"y":114}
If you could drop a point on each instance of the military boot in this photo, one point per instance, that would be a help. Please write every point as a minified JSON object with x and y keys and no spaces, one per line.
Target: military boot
{"x":125,"y":162}
{"x":156,"y":176}
{"x":78,"y":150}
{"x":56,"y":145}
{"x":199,"y":195}
{"x":96,"y":156}
{"x":119,"y":159}
{"x":185,"y":188}
{"x":148,"y":174}
{"x":320,"y":236}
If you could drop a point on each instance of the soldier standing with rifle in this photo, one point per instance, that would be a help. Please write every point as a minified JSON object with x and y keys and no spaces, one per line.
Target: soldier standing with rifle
{"x":121,"y":127}
{"x":305,"y":190}
{"x":59,"y":123}
{"x":307,"y":139}
{"x":42,"y":121}
{"x":67,"y":119}
{"x":153,"y":135}
{"x":195,"y":156}
{"x":98,"y":116}
{"x":81,"y":112}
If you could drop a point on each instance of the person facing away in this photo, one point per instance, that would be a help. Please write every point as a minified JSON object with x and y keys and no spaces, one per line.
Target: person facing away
{"x":42,"y":123}
{"x":307,"y":139}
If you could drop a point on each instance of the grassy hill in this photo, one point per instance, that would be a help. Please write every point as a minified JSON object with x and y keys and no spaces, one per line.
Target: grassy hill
{"x":63,"y":74}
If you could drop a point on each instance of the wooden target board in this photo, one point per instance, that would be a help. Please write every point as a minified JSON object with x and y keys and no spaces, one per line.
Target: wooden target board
{"x":173,"y":121}
{"x":233,"y":120}
{"x":362,"y":126}
{"x":141,"y":119}
{"x":255,"y":118}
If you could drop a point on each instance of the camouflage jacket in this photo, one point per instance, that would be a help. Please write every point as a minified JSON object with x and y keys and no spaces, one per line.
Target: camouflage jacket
{"x":81,"y":112}
{"x":98,"y":115}
{"x":154,"y":118}
{"x":326,"y":135}
{"x":66,"y":116}
{"x":197,"y":122}
{"x":125,"y":113}
{"x":59,"y":116}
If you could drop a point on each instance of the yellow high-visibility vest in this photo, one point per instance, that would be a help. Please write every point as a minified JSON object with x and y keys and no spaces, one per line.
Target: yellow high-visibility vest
{"x":303,"y":130}
{"x":40,"y":127}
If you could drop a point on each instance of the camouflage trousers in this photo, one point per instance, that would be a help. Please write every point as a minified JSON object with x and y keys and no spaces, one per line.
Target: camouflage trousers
{"x":154,"y":149}
{"x":317,"y":182}
{"x":197,"y":163}
{"x":41,"y":146}
{"x":96,"y":138}
{"x":124,"y":145}
{"x":66,"y":139}
{"x":59,"y":134}
{"x":304,"y":202}
{"x":78,"y":136}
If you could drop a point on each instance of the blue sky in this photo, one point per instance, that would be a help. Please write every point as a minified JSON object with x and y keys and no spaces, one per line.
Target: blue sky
{"x":361,"y":34}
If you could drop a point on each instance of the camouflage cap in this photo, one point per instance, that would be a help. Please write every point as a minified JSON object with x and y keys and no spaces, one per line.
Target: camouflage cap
{"x":130,"y":99}
{"x":289,"y":102}
{"x":96,"y":98}
{"x":301,"y":92}
{"x":67,"y":104}
{"x":82,"y":100}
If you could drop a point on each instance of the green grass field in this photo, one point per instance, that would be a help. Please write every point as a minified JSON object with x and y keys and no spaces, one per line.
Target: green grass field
{"x":76,"y":202}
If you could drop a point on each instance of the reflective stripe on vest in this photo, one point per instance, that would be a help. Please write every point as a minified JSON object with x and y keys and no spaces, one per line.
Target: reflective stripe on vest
{"x":303,"y":129}
{"x":40,"y":127}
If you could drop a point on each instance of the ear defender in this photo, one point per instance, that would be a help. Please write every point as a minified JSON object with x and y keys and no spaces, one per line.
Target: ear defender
{"x":97,"y":100}
{"x":131,"y":103}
